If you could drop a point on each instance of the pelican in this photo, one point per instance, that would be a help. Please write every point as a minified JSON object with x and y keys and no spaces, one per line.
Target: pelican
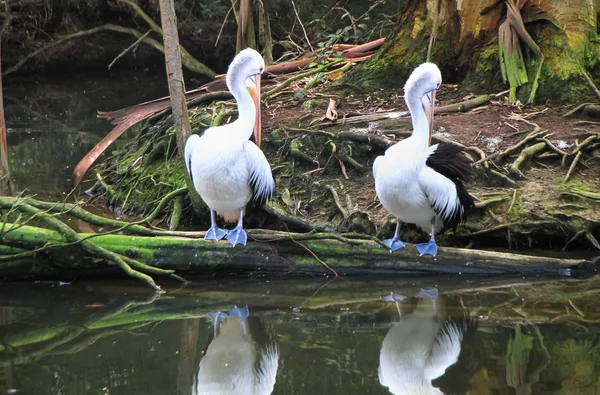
{"x":233,"y":363}
{"x":419,"y":183}
{"x":421,"y":346}
{"x":227,"y":169}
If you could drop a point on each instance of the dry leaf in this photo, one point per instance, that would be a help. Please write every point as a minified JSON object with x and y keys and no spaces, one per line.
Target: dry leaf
{"x":331,"y":113}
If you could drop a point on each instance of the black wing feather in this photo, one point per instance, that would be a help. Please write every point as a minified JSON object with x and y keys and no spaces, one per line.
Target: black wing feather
{"x":450,"y":161}
{"x":258,"y":198}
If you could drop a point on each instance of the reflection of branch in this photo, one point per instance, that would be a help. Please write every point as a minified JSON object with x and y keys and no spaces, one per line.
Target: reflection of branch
{"x":53,"y":338}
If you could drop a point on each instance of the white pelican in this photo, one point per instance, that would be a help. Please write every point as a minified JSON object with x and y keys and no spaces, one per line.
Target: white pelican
{"x":233,"y":363}
{"x":419,"y":183}
{"x":421,"y":346}
{"x":227,"y":169}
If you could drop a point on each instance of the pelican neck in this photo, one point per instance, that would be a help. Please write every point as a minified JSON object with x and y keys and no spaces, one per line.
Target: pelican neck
{"x":419,"y":119}
{"x":245,"y":105}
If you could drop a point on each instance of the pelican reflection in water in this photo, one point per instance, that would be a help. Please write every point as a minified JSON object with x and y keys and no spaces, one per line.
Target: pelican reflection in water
{"x":421,"y":345}
{"x":236,"y":363}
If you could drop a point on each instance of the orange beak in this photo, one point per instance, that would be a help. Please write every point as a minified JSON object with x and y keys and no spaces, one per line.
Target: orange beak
{"x":255,"y":93}
{"x":429,"y":113}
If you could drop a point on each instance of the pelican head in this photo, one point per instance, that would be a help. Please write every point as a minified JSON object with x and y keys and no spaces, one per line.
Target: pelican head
{"x":424,"y":81}
{"x":244,"y":73}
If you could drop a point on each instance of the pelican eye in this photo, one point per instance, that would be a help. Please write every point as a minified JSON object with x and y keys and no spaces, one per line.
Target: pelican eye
{"x":260,"y":69}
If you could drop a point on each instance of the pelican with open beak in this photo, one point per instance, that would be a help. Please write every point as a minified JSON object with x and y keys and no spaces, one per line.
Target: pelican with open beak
{"x":227,"y":169}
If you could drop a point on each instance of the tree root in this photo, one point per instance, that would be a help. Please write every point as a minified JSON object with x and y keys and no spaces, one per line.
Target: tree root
{"x":505,"y":227}
{"x":337,"y":202}
{"x":176,"y":213}
{"x":572,"y":167}
{"x":514,"y":148}
{"x":505,"y":179}
{"x":301,"y":223}
{"x":526,"y":155}
{"x":578,"y":152}
{"x":296,"y":152}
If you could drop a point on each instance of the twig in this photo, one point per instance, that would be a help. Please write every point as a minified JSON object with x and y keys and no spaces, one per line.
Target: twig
{"x":572,"y":167}
{"x":336,"y":200}
{"x":577,"y":108}
{"x":297,"y":77}
{"x":315,"y":256}
{"x":224,"y":21}
{"x":302,"y":25}
{"x":187,"y":59}
{"x":512,"y":202}
{"x":433,"y":30}
{"x":129,"y":48}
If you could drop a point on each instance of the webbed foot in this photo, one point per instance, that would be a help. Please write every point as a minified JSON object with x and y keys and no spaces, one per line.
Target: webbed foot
{"x":428,"y":293}
{"x":239,"y":313}
{"x":392,"y":297}
{"x":237,"y":236}
{"x":215,"y":233}
{"x":217,"y":317}
{"x":394,"y":244}
{"x":429,"y":248}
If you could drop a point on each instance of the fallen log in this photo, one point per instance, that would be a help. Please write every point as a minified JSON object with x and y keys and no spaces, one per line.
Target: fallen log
{"x":266,"y":252}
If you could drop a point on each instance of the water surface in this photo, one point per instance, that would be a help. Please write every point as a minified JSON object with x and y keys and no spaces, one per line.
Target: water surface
{"x":52,"y":124}
{"x":520,"y":336}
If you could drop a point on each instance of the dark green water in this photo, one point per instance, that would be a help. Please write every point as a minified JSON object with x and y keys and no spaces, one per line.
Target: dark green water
{"x":52,"y":124}
{"x":301,"y":337}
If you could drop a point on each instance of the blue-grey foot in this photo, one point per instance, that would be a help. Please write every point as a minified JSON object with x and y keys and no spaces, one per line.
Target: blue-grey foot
{"x":237,"y":236}
{"x":394,"y":244}
{"x":240,"y":314}
{"x":215,"y":233}
{"x":428,"y":293}
{"x":392,"y":297}
{"x":217,"y":317}
{"x":429,"y":248}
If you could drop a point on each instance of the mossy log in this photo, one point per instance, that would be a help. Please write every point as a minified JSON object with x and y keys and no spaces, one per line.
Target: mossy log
{"x":266,"y":252}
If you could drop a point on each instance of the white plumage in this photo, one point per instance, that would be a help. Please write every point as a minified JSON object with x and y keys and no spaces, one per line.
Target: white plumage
{"x":407,"y":183}
{"x":233,"y":364}
{"x":419,"y":348}
{"x":227,"y":168}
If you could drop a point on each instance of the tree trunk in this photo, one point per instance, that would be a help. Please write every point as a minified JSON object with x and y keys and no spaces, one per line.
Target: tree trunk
{"x":467,"y":46}
{"x":177,"y":89}
{"x":5,"y":181}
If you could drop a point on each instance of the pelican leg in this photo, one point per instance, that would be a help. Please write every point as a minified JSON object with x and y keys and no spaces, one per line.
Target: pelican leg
{"x":395,"y":243}
{"x":392,"y":297}
{"x":214,"y":233}
{"x":238,"y":235}
{"x":429,"y":247}
{"x":240,"y":314}
{"x":429,"y":294}
{"x":216,"y":319}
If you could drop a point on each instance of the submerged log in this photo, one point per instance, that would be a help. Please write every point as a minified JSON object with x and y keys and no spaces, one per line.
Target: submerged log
{"x":266,"y":252}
